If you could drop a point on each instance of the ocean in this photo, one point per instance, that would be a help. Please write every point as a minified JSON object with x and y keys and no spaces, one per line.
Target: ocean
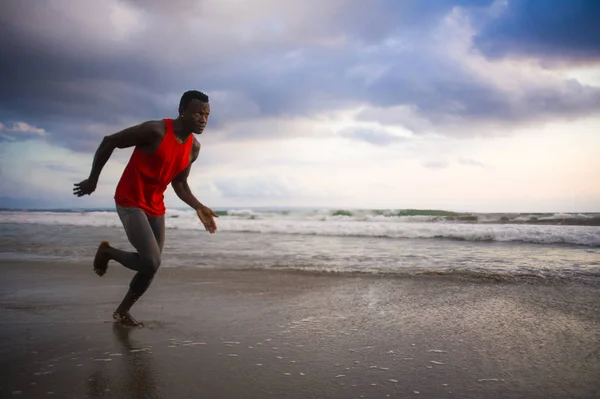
{"x":389,"y":243}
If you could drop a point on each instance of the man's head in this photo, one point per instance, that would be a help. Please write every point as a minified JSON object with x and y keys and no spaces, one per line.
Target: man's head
{"x":194,"y":110}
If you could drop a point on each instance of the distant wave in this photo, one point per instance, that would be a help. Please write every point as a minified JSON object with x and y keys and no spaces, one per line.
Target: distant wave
{"x":357,"y":224}
{"x":426,"y":215}
{"x":390,"y":215}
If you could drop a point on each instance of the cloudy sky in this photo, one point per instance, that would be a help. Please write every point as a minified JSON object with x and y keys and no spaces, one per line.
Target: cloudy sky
{"x":469,"y":105}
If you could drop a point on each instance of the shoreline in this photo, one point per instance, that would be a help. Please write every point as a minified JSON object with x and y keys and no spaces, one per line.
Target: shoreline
{"x":243,"y":334}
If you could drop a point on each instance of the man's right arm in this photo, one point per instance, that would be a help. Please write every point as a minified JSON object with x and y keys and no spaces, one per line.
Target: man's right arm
{"x":143,"y":135}
{"x":140,"y":135}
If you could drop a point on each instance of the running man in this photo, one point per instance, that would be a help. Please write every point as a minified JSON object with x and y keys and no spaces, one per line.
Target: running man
{"x":164,"y":153}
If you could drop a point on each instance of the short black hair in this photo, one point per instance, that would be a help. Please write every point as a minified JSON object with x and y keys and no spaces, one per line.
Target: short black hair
{"x":190,"y":95}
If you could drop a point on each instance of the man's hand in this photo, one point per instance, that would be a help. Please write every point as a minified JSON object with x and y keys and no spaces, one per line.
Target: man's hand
{"x":206,"y":216}
{"x":85,"y":187}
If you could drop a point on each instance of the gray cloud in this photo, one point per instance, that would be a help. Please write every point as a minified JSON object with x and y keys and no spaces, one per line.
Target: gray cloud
{"x":81,"y":67}
{"x":372,"y":136}
{"x":459,"y":103}
{"x":20,"y":131}
{"x":61,"y":168}
{"x":554,"y":31}
{"x":22,"y":128}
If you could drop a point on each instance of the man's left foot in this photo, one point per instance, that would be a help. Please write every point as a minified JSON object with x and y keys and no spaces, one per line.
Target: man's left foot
{"x":126,"y":319}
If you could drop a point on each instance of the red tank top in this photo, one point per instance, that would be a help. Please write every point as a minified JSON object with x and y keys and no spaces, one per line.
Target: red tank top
{"x":147,"y":176}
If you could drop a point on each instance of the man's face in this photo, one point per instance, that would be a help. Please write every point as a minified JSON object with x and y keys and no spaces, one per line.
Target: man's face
{"x":195,"y":116}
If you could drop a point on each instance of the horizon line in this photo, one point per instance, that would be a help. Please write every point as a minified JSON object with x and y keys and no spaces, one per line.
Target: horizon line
{"x":284,"y":208}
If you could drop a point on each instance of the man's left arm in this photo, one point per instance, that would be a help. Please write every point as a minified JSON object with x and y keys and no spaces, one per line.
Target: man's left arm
{"x":182,"y":189}
{"x":180,"y":183}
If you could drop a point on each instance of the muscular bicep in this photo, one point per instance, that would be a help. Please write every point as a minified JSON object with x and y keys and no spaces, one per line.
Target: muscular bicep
{"x":182,"y":176}
{"x":139,"y":135}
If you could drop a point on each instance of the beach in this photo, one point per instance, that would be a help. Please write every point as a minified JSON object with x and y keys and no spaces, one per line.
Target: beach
{"x":215,"y":333}
{"x":327,"y":199}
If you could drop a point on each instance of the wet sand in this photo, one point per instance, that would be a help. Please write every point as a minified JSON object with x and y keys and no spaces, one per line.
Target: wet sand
{"x":258,"y":334}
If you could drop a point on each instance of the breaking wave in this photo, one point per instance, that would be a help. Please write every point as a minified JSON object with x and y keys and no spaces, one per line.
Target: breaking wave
{"x":403,"y":224}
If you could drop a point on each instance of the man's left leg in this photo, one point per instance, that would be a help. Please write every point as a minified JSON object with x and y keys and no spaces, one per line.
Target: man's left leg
{"x":141,"y":281}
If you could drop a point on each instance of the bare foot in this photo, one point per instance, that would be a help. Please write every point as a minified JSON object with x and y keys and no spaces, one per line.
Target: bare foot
{"x":126,"y":319}
{"x":101,"y":259}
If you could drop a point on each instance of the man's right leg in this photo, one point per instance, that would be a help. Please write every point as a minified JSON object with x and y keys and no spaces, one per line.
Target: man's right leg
{"x":145,"y":261}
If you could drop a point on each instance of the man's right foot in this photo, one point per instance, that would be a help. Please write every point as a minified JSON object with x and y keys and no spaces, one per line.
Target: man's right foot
{"x":126,"y":319}
{"x":101,"y":259}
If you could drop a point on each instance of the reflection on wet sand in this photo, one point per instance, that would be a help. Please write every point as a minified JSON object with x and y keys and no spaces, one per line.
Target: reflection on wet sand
{"x":132,"y":377}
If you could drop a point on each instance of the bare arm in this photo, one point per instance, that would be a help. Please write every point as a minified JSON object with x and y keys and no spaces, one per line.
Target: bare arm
{"x":180,"y":184}
{"x":141,"y":135}
{"x":183,"y":191}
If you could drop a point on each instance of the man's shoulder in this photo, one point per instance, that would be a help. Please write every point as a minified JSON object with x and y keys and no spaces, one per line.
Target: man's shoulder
{"x":156,"y":127}
{"x":150,"y":134}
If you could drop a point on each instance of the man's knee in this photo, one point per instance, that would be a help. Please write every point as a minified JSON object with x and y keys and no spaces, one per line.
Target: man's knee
{"x":151,"y":264}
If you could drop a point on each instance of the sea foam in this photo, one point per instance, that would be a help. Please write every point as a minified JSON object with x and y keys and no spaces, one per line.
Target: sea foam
{"x":321,"y":223}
